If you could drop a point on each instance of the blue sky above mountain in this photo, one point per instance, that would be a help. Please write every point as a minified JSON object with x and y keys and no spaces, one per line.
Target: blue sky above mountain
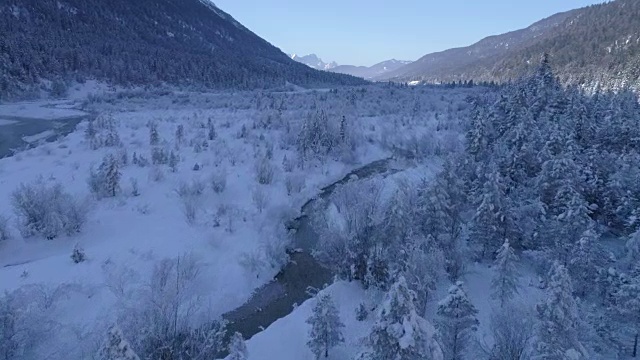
{"x":367,"y":32}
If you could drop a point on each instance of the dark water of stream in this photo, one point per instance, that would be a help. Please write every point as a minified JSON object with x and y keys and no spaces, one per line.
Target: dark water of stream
{"x":303,"y":275}
{"x":11,"y":135}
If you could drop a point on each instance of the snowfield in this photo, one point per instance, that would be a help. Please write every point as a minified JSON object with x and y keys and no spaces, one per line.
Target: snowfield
{"x":287,"y":338}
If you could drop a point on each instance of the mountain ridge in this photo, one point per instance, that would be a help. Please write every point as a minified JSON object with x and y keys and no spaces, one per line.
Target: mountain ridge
{"x":594,"y":46}
{"x":485,"y":48}
{"x":365,"y":72}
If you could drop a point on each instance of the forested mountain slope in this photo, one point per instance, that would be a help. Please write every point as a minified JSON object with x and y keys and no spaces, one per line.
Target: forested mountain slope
{"x":599,"y":44}
{"x":140,"y":42}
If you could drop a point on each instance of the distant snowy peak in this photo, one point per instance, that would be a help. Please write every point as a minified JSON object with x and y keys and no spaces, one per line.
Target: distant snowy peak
{"x":313,"y":61}
{"x":371,"y":71}
{"x":366,"y":72}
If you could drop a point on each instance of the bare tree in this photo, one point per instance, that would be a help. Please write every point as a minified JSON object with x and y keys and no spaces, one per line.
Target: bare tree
{"x":260,"y":198}
{"x":512,"y":329}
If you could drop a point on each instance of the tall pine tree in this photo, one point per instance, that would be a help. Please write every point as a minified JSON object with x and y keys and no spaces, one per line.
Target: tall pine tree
{"x":559,"y":323}
{"x":587,"y":259}
{"x":492,"y":220}
{"x":326,"y":327}
{"x":116,"y":347}
{"x":505,"y":282}
{"x":110,"y":172}
{"x":457,"y":321}
{"x":399,"y":332}
{"x":238,"y":348}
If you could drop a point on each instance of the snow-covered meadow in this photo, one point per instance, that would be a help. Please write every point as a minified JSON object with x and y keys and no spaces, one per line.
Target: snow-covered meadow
{"x":209,"y":179}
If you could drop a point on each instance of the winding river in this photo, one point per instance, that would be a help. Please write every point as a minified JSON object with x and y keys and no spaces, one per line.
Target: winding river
{"x":303,"y":275}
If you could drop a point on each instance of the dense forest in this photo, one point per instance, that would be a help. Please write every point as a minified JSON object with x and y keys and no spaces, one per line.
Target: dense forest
{"x":549,"y":174}
{"x":140,"y":42}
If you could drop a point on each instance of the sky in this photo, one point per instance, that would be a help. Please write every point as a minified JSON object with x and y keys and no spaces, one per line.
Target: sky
{"x":365,"y":32}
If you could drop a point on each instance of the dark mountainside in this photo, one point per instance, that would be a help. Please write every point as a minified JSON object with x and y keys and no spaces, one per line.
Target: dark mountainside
{"x":139,"y":42}
{"x":599,"y":44}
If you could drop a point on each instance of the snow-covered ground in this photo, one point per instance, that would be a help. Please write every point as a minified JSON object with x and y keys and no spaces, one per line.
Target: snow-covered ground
{"x":232,"y":236}
{"x":287,"y":338}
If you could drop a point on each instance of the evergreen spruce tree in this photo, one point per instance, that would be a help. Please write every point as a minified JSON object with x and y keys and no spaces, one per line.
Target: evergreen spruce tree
{"x":399,"y":332}
{"x":211,"y":130}
{"x":505,"y":282}
{"x":492,"y":220}
{"x":238,"y":348}
{"x":587,"y":259}
{"x":154,"y":137}
{"x":112,"y":138}
{"x":559,"y":323}
{"x":180,"y":135}
{"x":90,"y":132}
{"x":441,"y":205}
{"x":112,"y":176}
{"x":627,"y":298}
{"x":174,"y":160}
{"x":343,"y":129}
{"x":633,"y":249}
{"x":116,"y":347}
{"x":456,"y":321}
{"x":326,"y":327}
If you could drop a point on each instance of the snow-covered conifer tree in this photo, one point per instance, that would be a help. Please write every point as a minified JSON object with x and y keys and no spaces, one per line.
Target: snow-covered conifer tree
{"x":4,"y":228}
{"x":633,"y":249}
{"x":492,"y":219}
{"x":154,"y":137}
{"x":559,"y":323}
{"x":211,"y":130}
{"x":110,"y":172}
{"x":456,"y":321}
{"x":90,"y":132}
{"x":399,"y":332}
{"x":505,"y":281}
{"x":179,"y":135}
{"x":105,"y":182}
{"x":326,"y":327}
{"x":174,"y":160}
{"x":628,"y":299}
{"x":238,"y":348}
{"x":116,"y":347}
{"x":587,"y":258}
{"x":112,"y":138}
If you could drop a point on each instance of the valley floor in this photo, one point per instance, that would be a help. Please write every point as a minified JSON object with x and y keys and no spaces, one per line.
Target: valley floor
{"x":234,"y":234}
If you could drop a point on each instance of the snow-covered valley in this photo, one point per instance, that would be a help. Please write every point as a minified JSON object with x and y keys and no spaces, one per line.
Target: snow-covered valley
{"x":221,"y":208}
{"x":355,"y":222}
